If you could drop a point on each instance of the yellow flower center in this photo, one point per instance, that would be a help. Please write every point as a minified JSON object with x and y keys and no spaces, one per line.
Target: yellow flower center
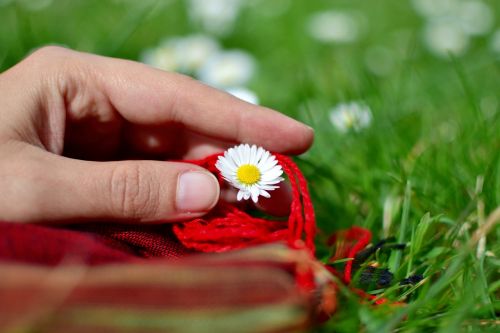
{"x":248,"y":174}
{"x":349,"y":120}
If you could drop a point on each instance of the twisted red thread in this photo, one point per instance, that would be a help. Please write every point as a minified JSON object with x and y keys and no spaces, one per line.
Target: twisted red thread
{"x":302,"y":208}
{"x":363,"y":237}
{"x":308,"y":209}
{"x":228,"y":227}
{"x":348,"y":243}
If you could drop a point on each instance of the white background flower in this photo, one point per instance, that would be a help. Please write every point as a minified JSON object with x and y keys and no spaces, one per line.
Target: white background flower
{"x":201,"y":56}
{"x":450,"y":24}
{"x":475,"y":16}
{"x":228,"y":69}
{"x":350,"y":116}
{"x":193,"y":51}
{"x":443,"y":37}
{"x":184,"y":54}
{"x":215,"y":16}
{"x":244,"y":94}
{"x":495,"y":41}
{"x":334,"y":26}
{"x":163,"y":58}
{"x":251,"y":169}
{"x":432,"y":8}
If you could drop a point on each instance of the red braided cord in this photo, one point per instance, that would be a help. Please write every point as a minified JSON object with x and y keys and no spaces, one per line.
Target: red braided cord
{"x":302,"y":203}
{"x":363,"y":237}
{"x":347,"y":243}
{"x":228,"y":228}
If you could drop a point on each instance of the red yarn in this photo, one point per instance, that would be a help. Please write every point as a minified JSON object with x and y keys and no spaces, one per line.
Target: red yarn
{"x":348,"y":243}
{"x":228,"y":227}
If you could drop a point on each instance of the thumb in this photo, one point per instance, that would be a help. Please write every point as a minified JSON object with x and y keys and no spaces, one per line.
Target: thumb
{"x":54,"y":188}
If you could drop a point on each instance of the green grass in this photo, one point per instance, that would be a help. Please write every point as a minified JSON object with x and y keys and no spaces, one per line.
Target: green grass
{"x":427,"y":171}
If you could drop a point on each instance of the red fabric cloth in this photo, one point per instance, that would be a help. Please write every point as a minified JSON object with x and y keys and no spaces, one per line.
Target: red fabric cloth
{"x":216,"y":293}
{"x":93,"y":244}
{"x":35,"y":244}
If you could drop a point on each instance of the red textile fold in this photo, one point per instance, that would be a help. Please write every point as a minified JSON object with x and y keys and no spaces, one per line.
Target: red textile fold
{"x":42,"y":245}
{"x":200,"y":293}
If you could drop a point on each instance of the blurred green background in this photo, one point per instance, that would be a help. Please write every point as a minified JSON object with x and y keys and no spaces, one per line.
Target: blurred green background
{"x":426,"y":72}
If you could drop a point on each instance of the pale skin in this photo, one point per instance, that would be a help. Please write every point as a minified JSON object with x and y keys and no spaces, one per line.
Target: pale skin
{"x":83,"y":138}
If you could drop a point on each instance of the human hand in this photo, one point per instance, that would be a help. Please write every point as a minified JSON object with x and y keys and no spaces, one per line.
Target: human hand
{"x":72,"y":126}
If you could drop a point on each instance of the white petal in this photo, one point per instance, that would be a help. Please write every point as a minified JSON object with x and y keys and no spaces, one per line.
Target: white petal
{"x":224,"y":167}
{"x":244,"y":154}
{"x":261,"y":150}
{"x":270,"y":165}
{"x":254,"y":190}
{"x":239,"y":196}
{"x":229,"y":180}
{"x":271,"y":182}
{"x":235,"y":182}
{"x":241,"y":154}
{"x":253,"y":153}
{"x":272,"y":174}
{"x":233,"y":156}
{"x":268,"y":187}
{"x":247,"y":154}
{"x":228,"y":163}
{"x":264,"y":193}
{"x":246,"y":195}
{"x":265,"y":156}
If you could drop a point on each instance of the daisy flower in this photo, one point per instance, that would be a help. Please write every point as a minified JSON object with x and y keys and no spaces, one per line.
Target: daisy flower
{"x":351,"y":116}
{"x":244,"y":94}
{"x":215,"y":16}
{"x":163,"y":58}
{"x":251,"y":169}
{"x":433,"y":8}
{"x":334,"y":26}
{"x":193,"y":51}
{"x":228,"y":69}
{"x":495,"y":41}
{"x":183,"y":54}
{"x":446,"y":36}
{"x":476,"y":17}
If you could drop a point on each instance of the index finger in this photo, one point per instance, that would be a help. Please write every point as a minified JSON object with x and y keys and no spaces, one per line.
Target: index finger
{"x":144,"y":95}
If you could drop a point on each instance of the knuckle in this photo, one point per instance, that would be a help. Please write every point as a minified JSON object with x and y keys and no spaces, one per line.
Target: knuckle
{"x":134,"y":194}
{"x":49,"y":51}
{"x":51,"y":63}
{"x":174,"y":107}
{"x":46,"y":55}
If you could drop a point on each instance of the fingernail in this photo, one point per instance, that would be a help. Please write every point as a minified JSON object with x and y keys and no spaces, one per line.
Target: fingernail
{"x":196,"y":191}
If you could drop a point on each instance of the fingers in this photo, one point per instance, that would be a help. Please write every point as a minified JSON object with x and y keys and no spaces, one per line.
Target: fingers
{"x":146,"y":96}
{"x":42,"y":187}
{"x":170,"y":142}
